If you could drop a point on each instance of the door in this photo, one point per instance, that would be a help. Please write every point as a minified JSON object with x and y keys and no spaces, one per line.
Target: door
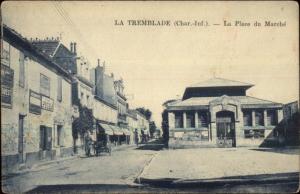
{"x":225,"y":129}
{"x":21,"y":139}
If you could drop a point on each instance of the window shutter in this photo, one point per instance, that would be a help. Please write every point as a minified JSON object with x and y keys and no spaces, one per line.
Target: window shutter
{"x":21,"y":70}
{"x":42,"y":138}
{"x":49,"y":138}
{"x":59,"y":88}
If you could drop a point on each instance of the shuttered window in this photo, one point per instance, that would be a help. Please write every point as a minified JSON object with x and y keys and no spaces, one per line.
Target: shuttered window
{"x":259,"y":118}
{"x":59,"y":88}
{"x":21,"y":70}
{"x":44,"y":85}
{"x":247,"y":118}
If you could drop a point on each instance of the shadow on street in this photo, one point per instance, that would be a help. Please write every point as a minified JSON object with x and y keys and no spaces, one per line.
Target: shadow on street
{"x":282,"y":182}
{"x":154,"y":145}
{"x":292,"y":151}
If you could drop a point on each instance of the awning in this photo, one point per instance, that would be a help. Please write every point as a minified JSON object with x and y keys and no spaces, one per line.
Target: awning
{"x":107,"y":129}
{"x":126,"y":131}
{"x":117,"y":130}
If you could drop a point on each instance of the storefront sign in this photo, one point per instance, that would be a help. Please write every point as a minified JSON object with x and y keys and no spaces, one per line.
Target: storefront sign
{"x":47,"y":103}
{"x":7,"y":77}
{"x":34,"y":102}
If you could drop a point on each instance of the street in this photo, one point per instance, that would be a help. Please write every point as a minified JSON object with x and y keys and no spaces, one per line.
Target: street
{"x":145,"y":170}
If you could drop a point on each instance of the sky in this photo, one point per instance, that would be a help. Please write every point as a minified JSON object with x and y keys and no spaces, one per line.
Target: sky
{"x":158,"y":62}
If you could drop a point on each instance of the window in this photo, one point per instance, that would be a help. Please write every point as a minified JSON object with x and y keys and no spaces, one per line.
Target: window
{"x":5,"y":53}
{"x":271,"y":118}
{"x":190,"y":120}
{"x":88,"y":100}
{"x":59,"y":88}
{"x":202,"y":119}
{"x":247,"y":118}
{"x":21,"y":70}
{"x":259,"y":118}
{"x":178,"y":120}
{"x":44,"y":85}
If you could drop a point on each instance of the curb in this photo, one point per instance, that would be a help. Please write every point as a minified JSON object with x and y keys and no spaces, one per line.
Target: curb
{"x":190,"y":183}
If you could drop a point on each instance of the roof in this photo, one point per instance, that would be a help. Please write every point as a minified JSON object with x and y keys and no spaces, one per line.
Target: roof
{"x":47,"y":46}
{"x":17,"y":39}
{"x":204,"y":101}
{"x":219,"y":82}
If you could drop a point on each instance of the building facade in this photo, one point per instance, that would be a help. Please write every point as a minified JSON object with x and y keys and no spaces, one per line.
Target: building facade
{"x":35,"y":104}
{"x":217,"y":112}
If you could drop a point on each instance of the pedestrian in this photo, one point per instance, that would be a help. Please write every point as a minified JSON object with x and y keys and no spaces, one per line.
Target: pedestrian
{"x":136,"y":137}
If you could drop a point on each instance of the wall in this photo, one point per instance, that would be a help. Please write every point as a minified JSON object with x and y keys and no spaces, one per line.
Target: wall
{"x":104,"y":112}
{"x":61,"y":110}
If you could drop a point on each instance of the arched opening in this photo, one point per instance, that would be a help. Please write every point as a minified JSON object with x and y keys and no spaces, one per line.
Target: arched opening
{"x":225,"y":129}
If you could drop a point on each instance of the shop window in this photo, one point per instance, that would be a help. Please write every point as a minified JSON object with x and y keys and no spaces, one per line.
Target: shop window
{"x":21,"y":70}
{"x":254,"y":133}
{"x":178,"y":120}
{"x":45,"y":85}
{"x":59,"y":88}
{"x":271,"y":118}
{"x":259,"y":118}
{"x":247,"y":118}
{"x":202,"y":119}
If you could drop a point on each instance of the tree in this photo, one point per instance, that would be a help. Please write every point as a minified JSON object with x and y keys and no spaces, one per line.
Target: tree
{"x":165,"y":128}
{"x":146,"y":112}
{"x":83,"y":123}
{"x":152,"y":128}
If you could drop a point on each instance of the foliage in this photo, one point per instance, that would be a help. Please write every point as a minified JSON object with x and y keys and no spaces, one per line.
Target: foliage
{"x":146,"y":112}
{"x":84,"y":122}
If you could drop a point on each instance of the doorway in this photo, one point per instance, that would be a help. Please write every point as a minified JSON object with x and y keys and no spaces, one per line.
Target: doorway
{"x":225,"y":129}
{"x":21,"y":139}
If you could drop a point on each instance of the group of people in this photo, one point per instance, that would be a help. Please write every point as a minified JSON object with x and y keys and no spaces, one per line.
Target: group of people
{"x":144,"y":138}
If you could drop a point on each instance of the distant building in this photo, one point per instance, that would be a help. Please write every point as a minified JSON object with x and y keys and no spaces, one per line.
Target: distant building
{"x":105,"y":104}
{"x":36,"y":113}
{"x":217,"y":112}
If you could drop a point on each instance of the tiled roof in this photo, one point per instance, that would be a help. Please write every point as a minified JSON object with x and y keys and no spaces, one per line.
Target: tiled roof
{"x":219,"y":82}
{"x":202,"y":101}
{"x":47,"y":47}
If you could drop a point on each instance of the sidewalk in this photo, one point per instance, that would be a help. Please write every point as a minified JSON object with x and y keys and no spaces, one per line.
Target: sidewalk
{"x":214,"y":165}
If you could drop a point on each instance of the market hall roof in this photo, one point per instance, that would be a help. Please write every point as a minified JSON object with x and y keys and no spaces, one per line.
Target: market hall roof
{"x":198,"y":102}
{"x":220,"y":82}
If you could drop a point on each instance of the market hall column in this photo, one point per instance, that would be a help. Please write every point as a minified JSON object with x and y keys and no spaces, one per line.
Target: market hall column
{"x":265,"y":118}
{"x":196,"y":119}
{"x":184,"y":120}
{"x":253,"y":118}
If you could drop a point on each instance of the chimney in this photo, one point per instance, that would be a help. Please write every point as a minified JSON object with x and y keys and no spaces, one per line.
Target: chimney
{"x":98,"y":62}
{"x":71,"y":47}
{"x":74,"y":48}
{"x":103,"y":66}
{"x":112,"y":75}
